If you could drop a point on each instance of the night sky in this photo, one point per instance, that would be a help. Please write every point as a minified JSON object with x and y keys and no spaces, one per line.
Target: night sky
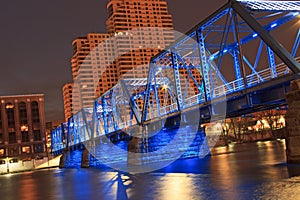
{"x":36,"y":37}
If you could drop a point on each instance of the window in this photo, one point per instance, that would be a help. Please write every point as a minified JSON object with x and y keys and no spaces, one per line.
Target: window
{"x":13,"y":151}
{"x":38,"y":148}
{"x":10,"y":115}
{"x":1,"y":138}
{"x":22,"y":113}
{"x":0,"y":118}
{"x":25,"y":136}
{"x":14,"y":160}
{"x":37,"y":135}
{"x":12,"y":139}
{"x":26,"y":150}
{"x":35,"y":112}
{"x":2,"y":152}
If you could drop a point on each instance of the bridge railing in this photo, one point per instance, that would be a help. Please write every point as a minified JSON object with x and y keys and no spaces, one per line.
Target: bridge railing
{"x":168,"y":109}
{"x":193,"y":100}
{"x":251,"y":80}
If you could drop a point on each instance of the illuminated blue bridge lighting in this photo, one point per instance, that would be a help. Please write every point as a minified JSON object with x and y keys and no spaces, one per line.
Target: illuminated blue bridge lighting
{"x":231,"y":64}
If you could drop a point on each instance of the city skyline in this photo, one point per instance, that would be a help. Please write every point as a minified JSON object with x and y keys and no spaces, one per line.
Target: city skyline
{"x":38,"y":38}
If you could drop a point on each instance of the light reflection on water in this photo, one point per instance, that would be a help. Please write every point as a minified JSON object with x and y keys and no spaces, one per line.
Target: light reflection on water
{"x":243,"y":171}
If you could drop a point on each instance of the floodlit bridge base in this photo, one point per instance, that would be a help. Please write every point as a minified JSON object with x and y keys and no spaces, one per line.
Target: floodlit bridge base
{"x":130,"y":148}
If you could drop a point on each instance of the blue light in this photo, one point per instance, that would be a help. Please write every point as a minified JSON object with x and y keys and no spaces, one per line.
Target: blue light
{"x":213,"y":56}
{"x":296,"y":13}
{"x":273,"y":25}
{"x":225,"y":50}
{"x":254,"y":35}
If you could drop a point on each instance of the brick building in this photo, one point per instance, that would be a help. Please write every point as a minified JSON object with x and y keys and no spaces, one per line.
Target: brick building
{"x":22,"y":126}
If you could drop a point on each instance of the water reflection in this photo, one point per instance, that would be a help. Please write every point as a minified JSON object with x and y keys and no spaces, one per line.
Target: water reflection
{"x":28,"y":189}
{"x":239,"y":171}
{"x":121,"y":182}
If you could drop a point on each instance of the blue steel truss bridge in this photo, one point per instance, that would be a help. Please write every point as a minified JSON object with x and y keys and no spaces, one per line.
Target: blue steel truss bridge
{"x":242,"y":56}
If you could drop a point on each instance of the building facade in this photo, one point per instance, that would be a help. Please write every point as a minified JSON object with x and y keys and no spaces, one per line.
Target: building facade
{"x":86,"y":70}
{"x":141,"y":29}
{"x":22,"y":126}
{"x":68,"y":100}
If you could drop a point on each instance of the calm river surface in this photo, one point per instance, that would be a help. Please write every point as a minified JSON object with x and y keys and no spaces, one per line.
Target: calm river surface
{"x":240,"y":171}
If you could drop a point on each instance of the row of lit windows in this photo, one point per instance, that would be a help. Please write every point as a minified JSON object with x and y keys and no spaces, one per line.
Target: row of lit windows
{"x":14,"y":151}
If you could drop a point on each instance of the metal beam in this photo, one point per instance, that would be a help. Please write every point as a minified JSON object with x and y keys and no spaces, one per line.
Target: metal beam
{"x":177,"y":82}
{"x":132,"y":104}
{"x":271,"y":60}
{"x":205,"y":65}
{"x":280,"y":51}
{"x":105,"y":113}
{"x":147,"y":93}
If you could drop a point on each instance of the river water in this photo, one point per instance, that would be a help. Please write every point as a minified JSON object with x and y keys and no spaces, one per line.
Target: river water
{"x":239,"y":171}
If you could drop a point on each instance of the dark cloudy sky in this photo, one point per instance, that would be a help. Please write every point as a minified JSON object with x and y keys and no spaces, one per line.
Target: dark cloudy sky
{"x":36,"y":36}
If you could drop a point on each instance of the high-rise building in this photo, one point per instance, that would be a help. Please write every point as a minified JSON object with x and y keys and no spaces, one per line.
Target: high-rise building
{"x":86,"y":62}
{"x":136,"y":31}
{"x":141,"y":28}
{"x":68,"y":100}
{"x":22,"y":126}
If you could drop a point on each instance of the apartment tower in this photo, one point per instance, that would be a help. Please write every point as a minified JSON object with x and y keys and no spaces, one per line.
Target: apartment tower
{"x":136,"y":31}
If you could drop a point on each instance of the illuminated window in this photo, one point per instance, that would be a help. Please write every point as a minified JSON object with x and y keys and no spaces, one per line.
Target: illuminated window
{"x":9,"y":106}
{"x":2,"y":152}
{"x":26,"y":150}
{"x":14,"y":160}
{"x":24,"y":128}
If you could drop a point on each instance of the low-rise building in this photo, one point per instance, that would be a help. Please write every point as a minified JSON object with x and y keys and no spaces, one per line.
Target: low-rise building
{"x":22,"y":126}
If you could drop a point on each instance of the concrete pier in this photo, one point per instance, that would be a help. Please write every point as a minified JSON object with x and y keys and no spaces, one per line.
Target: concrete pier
{"x":293,"y":123}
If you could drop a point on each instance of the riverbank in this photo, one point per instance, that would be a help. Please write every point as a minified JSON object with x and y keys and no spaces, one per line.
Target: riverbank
{"x":14,"y":165}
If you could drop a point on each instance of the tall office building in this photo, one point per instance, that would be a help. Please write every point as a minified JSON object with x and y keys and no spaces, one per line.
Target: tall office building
{"x":68,"y":100}
{"x":136,"y":31}
{"x":22,"y":126}
{"x":86,"y":62}
{"x":141,"y":28}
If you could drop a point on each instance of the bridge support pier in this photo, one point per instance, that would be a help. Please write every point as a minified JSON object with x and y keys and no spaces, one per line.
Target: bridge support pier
{"x":134,"y":146}
{"x":85,"y":159}
{"x":62,"y":160}
{"x":293,"y":124}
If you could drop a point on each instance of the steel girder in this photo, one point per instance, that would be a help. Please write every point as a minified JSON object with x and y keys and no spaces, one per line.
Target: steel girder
{"x":281,"y":52}
{"x":270,"y":5}
{"x":132,"y":103}
{"x":177,"y":82}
